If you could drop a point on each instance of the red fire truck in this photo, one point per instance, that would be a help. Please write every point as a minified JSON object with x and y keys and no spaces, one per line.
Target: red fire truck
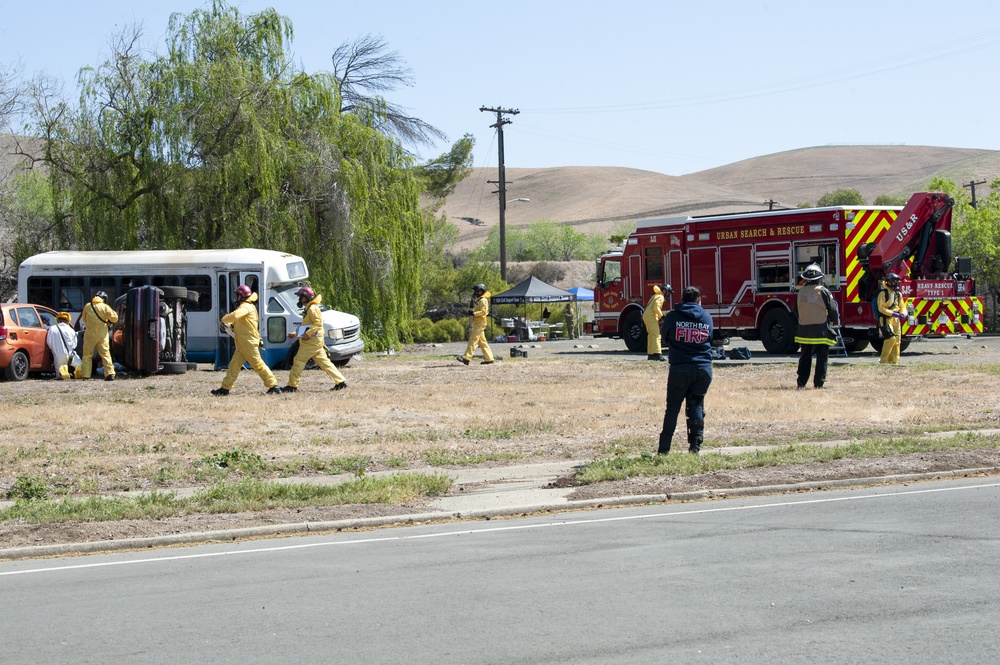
{"x":747,"y":265}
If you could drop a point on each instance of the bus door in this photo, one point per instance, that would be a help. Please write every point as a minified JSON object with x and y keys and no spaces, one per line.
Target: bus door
{"x":225,"y":282}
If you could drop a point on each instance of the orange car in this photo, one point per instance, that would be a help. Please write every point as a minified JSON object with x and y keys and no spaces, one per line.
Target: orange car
{"x":22,"y":339}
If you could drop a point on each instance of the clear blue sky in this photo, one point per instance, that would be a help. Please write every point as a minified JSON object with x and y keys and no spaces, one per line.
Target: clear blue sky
{"x":662,"y":85}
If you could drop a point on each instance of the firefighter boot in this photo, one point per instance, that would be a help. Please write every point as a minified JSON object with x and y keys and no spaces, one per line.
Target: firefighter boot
{"x":664,"y":446}
{"x":696,"y":432}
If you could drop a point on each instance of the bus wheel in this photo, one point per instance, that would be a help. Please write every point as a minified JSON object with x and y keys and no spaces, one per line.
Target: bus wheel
{"x":173,"y":368}
{"x":634,"y":332}
{"x":777,"y":332}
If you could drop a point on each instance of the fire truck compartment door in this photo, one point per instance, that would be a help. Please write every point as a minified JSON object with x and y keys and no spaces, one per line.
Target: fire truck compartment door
{"x":635,"y":277}
{"x":703,"y":269}
{"x":737,"y":275}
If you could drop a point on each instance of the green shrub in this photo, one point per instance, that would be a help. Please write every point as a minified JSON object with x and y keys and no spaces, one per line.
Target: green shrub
{"x":236,"y":459}
{"x":449,"y":330}
{"x":422,"y":330}
{"x":28,"y":487}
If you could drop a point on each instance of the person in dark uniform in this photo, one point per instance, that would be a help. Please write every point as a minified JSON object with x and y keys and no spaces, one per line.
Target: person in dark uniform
{"x":687,"y":331}
{"x":817,"y":314}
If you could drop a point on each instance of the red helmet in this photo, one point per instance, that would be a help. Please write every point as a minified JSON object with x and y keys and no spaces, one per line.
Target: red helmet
{"x":242,"y":291}
{"x":306,"y":292}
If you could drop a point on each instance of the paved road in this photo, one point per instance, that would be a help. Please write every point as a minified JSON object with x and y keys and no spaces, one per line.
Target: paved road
{"x":901,"y":574}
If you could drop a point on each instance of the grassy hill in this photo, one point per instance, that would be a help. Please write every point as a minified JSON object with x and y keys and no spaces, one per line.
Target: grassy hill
{"x":598,"y":199}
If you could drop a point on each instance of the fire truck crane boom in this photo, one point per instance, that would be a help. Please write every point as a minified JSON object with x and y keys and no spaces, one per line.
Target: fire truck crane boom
{"x":922,"y":231}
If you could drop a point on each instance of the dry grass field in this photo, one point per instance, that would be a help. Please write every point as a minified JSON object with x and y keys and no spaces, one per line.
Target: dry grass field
{"x":421,"y":410}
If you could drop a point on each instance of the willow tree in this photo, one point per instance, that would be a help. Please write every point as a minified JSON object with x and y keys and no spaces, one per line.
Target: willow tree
{"x":224,"y":142}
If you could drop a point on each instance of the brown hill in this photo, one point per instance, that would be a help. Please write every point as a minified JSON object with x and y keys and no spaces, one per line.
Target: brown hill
{"x":598,"y":199}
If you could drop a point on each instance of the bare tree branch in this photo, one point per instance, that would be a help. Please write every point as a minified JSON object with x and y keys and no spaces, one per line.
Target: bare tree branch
{"x":365,"y":68}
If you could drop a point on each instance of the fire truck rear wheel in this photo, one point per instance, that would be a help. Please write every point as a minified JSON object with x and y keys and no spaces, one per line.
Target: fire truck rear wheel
{"x":857,"y":344}
{"x":777,"y":332}
{"x":634,"y":332}
{"x":877,"y":345}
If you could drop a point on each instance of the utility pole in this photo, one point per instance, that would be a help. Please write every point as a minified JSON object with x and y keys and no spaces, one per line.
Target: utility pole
{"x":971,"y":185}
{"x":501,"y":183}
{"x":770,"y":204}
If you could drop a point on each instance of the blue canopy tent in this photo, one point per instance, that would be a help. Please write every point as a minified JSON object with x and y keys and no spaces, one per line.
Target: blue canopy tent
{"x":582,"y":293}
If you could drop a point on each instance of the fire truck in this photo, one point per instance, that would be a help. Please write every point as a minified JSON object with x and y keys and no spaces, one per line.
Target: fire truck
{"x":746,"y":266}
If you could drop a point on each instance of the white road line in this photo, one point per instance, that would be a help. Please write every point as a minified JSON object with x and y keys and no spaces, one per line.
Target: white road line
{"x":496,"y":529}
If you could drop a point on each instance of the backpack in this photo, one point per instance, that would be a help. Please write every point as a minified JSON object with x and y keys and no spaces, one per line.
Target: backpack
{"x":881,"y":322}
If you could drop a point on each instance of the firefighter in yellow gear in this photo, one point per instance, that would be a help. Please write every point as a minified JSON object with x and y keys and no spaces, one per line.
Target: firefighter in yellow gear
{"x":651,"y":317}
{"x":244,"y":323}
{"x":477,"y":331}
{"x":892,"y":310}
{"x":311,"y":343}
{"x":97,"y":316}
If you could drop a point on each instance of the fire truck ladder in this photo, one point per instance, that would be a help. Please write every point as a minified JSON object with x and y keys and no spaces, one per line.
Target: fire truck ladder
{"x":839,"y":349}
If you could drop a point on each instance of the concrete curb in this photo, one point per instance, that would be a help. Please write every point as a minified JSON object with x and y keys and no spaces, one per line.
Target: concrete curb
{"x":108,"y":546}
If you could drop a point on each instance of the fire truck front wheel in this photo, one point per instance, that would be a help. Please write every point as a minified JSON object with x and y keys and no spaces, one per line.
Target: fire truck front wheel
{"x":634,"y":332}
{"x":777,"y":331}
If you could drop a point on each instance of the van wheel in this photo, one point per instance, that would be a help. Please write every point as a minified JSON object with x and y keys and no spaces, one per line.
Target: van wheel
{"x":174,"y":292}
{"x":173,"y":368}
{"x":777,"y":332}
{"x":17,"y":370}
{"x":634,"y":332}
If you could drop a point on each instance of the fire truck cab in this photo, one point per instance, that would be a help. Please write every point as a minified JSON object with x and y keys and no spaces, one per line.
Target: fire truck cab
{"x":747,"y":265}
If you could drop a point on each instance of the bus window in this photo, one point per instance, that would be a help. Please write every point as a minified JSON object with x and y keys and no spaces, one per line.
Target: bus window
{"x":276,"y":329}
{"x":72,"y":296}
{"x":253,"y":283}
{"x":41,"y":291}
{"x":166,"y":280}
{"x":274,"y":306}
{"x":296,"y":270}
{"x":132,"y":282}
{"x":106,"y":284}
{"x":202,"y":285}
